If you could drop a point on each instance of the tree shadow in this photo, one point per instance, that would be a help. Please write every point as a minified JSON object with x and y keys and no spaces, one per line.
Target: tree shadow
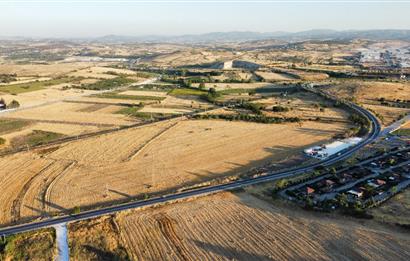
{"x":120,"y":193}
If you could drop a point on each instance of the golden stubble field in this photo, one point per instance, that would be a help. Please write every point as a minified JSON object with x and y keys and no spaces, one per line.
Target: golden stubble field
{"x":151,"y":159}
{"x":239,"y":226}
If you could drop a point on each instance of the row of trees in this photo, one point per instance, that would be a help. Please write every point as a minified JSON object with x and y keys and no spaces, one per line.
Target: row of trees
{"x":247,"y":117}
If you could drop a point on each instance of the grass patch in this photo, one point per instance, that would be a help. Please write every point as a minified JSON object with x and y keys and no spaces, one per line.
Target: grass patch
{"x":130,"y":111}
{"x":106,"y":84}
{"x":402,"y":132}
{"x":236,"y":91}
{"x":33,"y":86}
{"x":134,"y":112}
{"x":7,"y":126}
{"x":37,"y":245}
{"x":153,"y":87}
{"x":114,"y":95}
{"x":36,"y":137}
{"x":186,"y":92}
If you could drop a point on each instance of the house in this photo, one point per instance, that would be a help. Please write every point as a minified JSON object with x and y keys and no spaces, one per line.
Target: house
{"x":356,"y":193}
{"x":329,"y":183}
{"x":376,"y":183}
{"x":380,"y":182}
{"x":309,"y":190}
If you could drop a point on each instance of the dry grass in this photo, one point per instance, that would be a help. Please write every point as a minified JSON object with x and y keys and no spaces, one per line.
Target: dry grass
{"x":241,"y":227}
{"x":396,"y":210}
{"x":271,"y":76}
{"x":104,"y":243}
{"x":42,"y":70}
{"x":100,"y":72}
{"x":368,"y":93}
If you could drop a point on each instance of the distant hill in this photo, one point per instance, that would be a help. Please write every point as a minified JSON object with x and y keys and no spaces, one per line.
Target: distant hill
{"x":252,"y":36}
{"x":246,"y":36}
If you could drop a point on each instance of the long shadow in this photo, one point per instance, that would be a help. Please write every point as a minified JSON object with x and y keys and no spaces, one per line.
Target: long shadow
{"x":120,"y":193}
{"x":54,"y":205}
{"x":315,"y":131}
{"x":229,"y":252}
{"x":39,"y":211}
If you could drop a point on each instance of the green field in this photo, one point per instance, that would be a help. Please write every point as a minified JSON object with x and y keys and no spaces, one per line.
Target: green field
{"x":113,"y":95}
{"x":32,"y":86}
{"x":7,"y":126}
{"x":402,"y":132}
{"x":36,"y":137}
{"x":187,"y":92}
{"x":134,"y":112}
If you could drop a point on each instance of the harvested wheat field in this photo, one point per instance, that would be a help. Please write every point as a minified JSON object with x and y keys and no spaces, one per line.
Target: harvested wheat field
{"x":71,"y":113}
{"x":159,"y":109}
{"x":42,"y":70}
{"x":51,"y":94}
{"x":241,"y":227}
{"x":100,"y":72}
{"x":145,"y":93}
{"x":271,"y":76}
{"x":150,"y":159}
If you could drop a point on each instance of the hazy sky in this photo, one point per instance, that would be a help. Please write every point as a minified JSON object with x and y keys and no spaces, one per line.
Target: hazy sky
{"x":65,"y":18}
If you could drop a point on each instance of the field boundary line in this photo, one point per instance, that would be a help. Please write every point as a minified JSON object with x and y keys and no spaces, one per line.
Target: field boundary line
{"x":136,"y":152}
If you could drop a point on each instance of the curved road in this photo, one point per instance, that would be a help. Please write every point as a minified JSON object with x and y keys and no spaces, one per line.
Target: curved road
{"x":270,"y":176}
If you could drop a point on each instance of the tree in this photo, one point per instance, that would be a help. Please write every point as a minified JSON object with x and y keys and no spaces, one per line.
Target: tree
{"x":202,"y":86}
{"x":343,"y":202}
{"x":76,"y":210}
{"x":13,"y":104}
{"x":212,"y":91}
{"x":281,"y":183}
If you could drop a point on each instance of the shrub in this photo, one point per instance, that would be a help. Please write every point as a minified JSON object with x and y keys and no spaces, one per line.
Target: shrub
{"x":13,"y":104}
{"x":279,"y":108}
{"x":76,"y":210}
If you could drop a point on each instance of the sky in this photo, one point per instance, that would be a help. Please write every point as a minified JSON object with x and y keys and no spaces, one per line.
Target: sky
{"x":92,"y":18}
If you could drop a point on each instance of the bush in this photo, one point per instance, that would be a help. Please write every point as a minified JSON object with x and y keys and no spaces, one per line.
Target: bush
{"x":2,"y":141}
{"x":279,"y":108}
{"x":13,"y":104}
{"x":76,"y":210}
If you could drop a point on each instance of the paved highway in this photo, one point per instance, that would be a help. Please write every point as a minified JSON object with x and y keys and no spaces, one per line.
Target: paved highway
{"x":271,"y":176}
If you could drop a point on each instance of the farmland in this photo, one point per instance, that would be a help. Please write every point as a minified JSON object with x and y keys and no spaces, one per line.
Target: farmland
{"x":237,"y":226}
{"x":86,"y":125}
{"x":161,"y":157}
